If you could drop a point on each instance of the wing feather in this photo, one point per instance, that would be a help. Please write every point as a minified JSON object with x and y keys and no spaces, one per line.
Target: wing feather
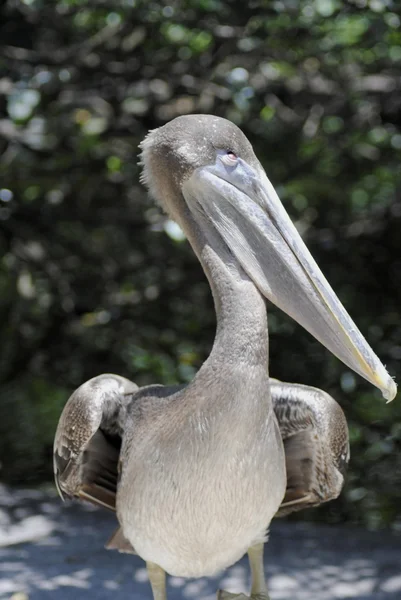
{"x":88,"y":440}
{"x":315,"y":438}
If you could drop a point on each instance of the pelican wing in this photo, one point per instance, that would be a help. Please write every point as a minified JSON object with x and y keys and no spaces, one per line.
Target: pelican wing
{"x":88,"y":440}
{"x":315,"y":437}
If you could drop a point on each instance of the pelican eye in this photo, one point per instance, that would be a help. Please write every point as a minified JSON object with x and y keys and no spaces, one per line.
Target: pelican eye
{"x":229,"y":158}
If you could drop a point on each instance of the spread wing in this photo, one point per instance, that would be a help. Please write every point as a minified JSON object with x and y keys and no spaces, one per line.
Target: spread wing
{"x":88,"y":439}
{"x":315,"y":437}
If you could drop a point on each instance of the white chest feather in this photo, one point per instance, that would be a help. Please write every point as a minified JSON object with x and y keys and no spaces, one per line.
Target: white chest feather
{"x":194,"y":508}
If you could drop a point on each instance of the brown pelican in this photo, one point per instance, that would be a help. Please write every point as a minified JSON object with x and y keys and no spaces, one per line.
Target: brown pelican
{"x":203,"y":469}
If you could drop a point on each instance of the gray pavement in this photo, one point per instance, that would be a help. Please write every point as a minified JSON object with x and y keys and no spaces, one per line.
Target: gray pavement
{"x":54,"y":551}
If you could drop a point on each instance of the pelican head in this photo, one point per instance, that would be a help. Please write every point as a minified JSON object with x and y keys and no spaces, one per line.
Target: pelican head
{"x":204,"y":166}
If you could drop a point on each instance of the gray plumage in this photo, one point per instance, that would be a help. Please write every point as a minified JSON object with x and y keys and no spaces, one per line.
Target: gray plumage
{"x":315,"y":434}
{"x":312,"y":425}
{"x":196,"y":473}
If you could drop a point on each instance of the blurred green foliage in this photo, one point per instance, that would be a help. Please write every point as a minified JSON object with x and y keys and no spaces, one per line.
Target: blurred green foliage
{"x":94,"y":278}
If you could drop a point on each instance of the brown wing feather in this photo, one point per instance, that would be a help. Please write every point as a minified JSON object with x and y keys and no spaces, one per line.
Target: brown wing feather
{"x":99,"y":471}
{"x":88,"y":440}
{"x":315,"y":438}
{"x":119,"y":542}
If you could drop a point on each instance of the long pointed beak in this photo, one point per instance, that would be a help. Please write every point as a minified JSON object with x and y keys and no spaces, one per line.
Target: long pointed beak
{"x":244,"y":208}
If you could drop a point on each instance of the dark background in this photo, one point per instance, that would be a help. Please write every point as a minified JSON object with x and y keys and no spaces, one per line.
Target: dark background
{"x":93,"y":278}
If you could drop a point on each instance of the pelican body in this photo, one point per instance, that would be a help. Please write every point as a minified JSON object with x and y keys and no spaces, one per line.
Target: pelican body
{"x":203,"y":469}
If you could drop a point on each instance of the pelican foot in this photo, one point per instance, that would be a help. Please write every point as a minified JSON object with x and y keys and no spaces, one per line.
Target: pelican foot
{"x":223,"y":595}
{"x":258,"y":589}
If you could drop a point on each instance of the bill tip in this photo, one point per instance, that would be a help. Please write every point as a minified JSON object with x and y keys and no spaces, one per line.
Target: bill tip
{"x":390,"y":390}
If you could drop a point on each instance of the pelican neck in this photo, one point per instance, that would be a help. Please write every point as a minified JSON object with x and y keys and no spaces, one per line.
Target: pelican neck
{"x":241,"y":330}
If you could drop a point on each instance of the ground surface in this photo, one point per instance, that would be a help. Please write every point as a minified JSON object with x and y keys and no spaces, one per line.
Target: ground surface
{"x":54,"y":551}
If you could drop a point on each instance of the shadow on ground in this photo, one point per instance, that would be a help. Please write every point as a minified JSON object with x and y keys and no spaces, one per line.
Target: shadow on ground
{"x":54,"y":551}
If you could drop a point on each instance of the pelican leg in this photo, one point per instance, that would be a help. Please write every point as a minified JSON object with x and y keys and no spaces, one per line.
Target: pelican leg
{"x":259,"y":588}
{"x":157,"y":578}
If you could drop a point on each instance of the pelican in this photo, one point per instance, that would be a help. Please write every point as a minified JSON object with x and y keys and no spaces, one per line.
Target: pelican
{"x":196,"y":473}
